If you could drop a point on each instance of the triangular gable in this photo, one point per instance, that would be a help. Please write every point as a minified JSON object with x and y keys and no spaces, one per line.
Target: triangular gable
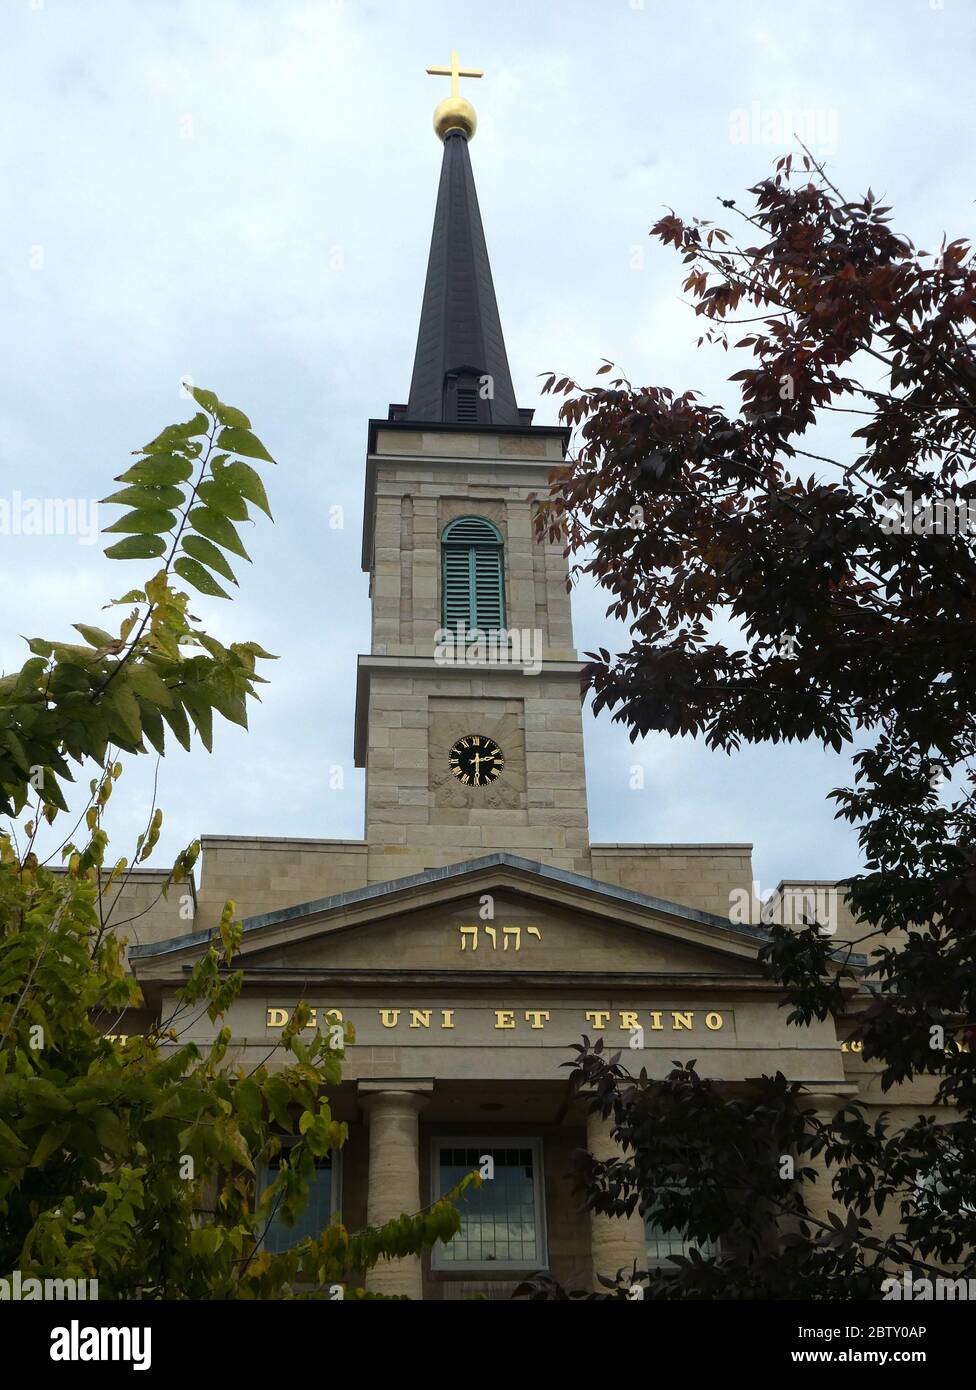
{"x":544,"y":919}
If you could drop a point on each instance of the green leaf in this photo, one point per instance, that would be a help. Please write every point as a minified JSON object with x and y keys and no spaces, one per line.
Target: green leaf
{"x":175,"y":435}
{"x":207,"y":399}
{"x":239,"y":441}
{"x":32,"y":670}
{"x":148,"y":683}
{"x":51,"y":793}
{"x":217,"y":528}
{"x":20,"y":753}
{"x":194,"y":573}
{"x":95,"y":636}
{"x":208,"y":554}
{"x":123,"y":703}
{"x":253,"y":649}
{"x":160,"y":470}
{"x":229,"y":415}
{"x":225,"y":500}
{"x":232,"y":1147}
{"x":137,"y":548}
{"x":249,"y":1100}
{"x":144,"y":521}
{"x":153,"y":497}
{"x":176,"y":719}
{"x":232,"y":706}
{"x":202,"y":716}
{"x":247,"y":482}
{"x":111,"y":1132}
{"x":152,"y":726}
{"x":12,"y":1150}
{"x":52,"y":1138}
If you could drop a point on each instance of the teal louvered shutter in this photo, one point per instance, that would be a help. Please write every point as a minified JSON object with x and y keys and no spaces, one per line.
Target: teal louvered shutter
{"x":488,"y":604}
{"x":473,"y":575}
{"x":457,"y":588}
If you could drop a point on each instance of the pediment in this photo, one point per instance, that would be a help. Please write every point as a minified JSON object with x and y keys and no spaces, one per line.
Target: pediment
{"x":542,"y":922}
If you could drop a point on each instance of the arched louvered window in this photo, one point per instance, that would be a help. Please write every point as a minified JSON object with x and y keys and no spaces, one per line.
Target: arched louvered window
{"x":472,"y":575}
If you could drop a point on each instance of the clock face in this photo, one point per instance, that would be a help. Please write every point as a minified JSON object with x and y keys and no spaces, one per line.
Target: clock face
{"x":476,"y":760}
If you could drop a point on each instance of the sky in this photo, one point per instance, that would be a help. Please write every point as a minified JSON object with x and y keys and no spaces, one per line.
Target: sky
{"x":240,"y":192}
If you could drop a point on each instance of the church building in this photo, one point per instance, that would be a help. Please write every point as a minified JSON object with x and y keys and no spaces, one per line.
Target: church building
{"x":477,"y":931}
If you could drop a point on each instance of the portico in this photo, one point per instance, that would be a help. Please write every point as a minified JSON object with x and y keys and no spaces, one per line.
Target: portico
{"x":452,"y":1051}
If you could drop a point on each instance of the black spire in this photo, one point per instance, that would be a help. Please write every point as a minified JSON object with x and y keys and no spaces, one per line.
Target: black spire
{"x":460,"y":342}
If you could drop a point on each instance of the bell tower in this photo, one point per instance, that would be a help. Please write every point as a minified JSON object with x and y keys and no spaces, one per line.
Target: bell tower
{"x":468,"y":717}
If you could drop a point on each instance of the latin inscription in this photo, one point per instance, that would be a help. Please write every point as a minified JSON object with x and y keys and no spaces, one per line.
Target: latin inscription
{"x":535,"y":1020}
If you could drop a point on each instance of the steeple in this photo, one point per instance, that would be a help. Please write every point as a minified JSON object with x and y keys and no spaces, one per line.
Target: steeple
{"x":461,"y":373}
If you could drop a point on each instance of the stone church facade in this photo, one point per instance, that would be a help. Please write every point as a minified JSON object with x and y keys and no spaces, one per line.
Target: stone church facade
{"x":477,"y":931}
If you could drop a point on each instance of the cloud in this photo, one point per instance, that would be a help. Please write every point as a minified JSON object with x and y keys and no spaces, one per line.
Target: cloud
{"x":245,"y":192}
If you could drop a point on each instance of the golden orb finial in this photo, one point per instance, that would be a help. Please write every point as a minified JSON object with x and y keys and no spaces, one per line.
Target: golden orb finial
{"x":454,"y":112}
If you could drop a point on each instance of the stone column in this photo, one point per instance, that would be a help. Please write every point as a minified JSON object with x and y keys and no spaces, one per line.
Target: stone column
{"x":615,"y":1241}
{"x":819,"y":1195}
{"x":394,"y":1175}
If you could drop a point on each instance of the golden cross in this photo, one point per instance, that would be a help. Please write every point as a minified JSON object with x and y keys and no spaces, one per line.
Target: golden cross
{"x":455,"y":73}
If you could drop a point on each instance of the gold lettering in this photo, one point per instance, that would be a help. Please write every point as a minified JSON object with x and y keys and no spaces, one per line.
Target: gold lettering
{"x":714,"y":1022}
{"x":656,"y":1024}
{"x":420,"y":1018}
{"x":333,"y":1016}
{"x":594,"y":1016}
{"x":447,"y":1017}
{"x":312,"y":1019}
{"x":535,"y":1017}
{"x":277,"y":1018}
{"x":504,"y":1018}
{"x":679,"y":1021}
{"x":389,"y":1017}
{"x":628,"y":1020}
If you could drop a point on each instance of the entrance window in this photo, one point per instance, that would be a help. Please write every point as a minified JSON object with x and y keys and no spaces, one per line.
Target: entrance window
{"x":502,"y":1222}
{"x":321,"y":1207}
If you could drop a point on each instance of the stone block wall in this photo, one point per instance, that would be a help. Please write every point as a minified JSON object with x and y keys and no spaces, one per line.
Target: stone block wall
{"x":264,"y":875}
{"x":699,"y":876}
{"x":418,"y":816}
{"x":453,"y":475}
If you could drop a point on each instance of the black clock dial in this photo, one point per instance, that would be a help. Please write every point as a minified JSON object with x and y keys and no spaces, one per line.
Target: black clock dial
{"x":476,"y":760}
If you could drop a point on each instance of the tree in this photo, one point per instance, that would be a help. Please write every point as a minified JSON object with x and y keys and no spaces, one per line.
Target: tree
{"x":110,"y":1152}
{"x":850,"y":587}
